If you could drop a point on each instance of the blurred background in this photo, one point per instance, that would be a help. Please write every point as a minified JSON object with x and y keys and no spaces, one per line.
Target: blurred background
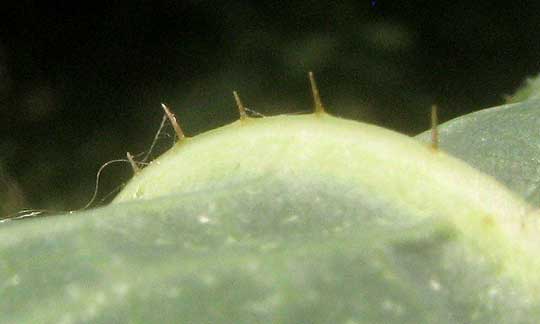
{"x":81,"y":86}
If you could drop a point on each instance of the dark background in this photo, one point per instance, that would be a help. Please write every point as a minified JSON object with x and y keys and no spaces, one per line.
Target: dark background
{"x":80,"y":86}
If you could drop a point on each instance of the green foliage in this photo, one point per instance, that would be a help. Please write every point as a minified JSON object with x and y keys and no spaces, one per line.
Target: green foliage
{"x":500,"y":141}
{"x":287,"y":219}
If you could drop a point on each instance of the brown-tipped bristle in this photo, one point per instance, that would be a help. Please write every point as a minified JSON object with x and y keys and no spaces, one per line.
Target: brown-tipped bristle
{"x":434,"y":128}
{"x":241,"y":108}
{"x":172,"y":119}
{"x":319,"y":108}
{"x":134,"y":165}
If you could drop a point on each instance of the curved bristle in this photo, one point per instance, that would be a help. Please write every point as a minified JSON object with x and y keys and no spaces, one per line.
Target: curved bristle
{"x":134,"y":165}
{"x":241,"y":108}
{"x":319,"y":108}
{"x":174,"y":122}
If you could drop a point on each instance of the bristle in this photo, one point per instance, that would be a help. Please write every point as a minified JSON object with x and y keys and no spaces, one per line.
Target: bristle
{"x":434,"y":128}
{"x":134,"y":165}
{"x":319,"y":108}
{"x":174,"y":122}
{"x":241,"y":108}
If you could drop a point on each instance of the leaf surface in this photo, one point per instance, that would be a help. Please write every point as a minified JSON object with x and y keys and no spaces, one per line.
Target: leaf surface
{"x":503,"y":141}
{"x":297,"y":220}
